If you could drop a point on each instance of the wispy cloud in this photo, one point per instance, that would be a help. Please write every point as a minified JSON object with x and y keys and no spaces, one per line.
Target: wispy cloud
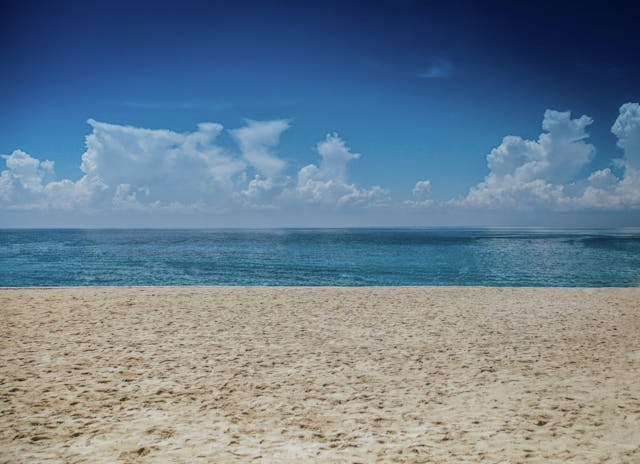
{"x":438,"y":69}
{"x":257,"y":140}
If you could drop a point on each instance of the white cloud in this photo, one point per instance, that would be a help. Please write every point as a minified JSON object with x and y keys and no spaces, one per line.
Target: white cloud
{"x":88,"y":191}
{"x":627,"y":129}
{"x":160,"y":167}
{"x":557,"y":156}
{"x":422,"y":189}
{"x":24,"y":173}
{"x":604,"y":179}
{"x":335,"y":157}
{"x":421,"y":194}
{"x":262,"y":192}
{"x":257,"y":139}
{"x":328,"y":184}
{"x":526,"y":174}
{"x":133,"y":168}
{"x":605,"y":190}
{"x":28,"y":184}
{"x":532,"y":173}
{"x":128,"y":167}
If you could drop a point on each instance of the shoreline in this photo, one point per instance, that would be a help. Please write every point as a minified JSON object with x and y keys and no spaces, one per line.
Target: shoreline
{"x":321,"y":374}
{"x":204,"y":287}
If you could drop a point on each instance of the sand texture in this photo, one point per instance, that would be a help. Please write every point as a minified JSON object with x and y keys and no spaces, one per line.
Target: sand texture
{"x":330,"y":375}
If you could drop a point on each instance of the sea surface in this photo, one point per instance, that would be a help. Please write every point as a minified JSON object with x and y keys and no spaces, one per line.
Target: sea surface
{"x":342,"y":257}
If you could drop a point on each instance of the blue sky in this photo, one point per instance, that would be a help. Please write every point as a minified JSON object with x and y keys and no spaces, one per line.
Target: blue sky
{"x":422,"y":91}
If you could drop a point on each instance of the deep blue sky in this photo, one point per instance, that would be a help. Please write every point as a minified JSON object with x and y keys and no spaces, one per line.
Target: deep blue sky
{"x":421,"y":89}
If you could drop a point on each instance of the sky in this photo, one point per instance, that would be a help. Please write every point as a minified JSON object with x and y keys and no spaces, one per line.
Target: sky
{"x":323,"y":114}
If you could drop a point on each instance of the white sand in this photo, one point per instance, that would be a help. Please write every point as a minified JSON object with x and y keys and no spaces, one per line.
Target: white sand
{"x":320,"y":375}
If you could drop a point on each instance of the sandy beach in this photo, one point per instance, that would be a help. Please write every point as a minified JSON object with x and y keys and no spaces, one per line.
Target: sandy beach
{"x":194,"y":374}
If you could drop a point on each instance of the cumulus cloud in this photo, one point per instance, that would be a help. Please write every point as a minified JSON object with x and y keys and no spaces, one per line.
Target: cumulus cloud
{"x":421,"y":194}
{"x":257,"y":140}
{"x":128,"y":167}
{"x":605,"y":189}
{"x":627,"y":129}
{"x":133,"y":168}
{"x":28,"y":183}
{"x":262,"y":192}
{"x":422,"y":189}
{"x":530,"y":174}
{"x":160,"y":167}
{"x":23,"y":177}
{"x":328,"y":183}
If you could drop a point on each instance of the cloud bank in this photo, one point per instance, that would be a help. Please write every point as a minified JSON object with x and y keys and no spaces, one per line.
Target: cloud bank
{"x":127,"y":168}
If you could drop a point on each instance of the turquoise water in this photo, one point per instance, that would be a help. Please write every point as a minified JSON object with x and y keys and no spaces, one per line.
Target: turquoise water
{"x":320,"y":257}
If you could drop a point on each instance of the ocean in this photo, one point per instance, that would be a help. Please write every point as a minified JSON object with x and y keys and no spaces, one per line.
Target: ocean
{"x":310,"y":257}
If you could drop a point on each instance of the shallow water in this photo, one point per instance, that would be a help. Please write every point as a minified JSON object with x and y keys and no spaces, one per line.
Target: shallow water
{"x":342,"y":257}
